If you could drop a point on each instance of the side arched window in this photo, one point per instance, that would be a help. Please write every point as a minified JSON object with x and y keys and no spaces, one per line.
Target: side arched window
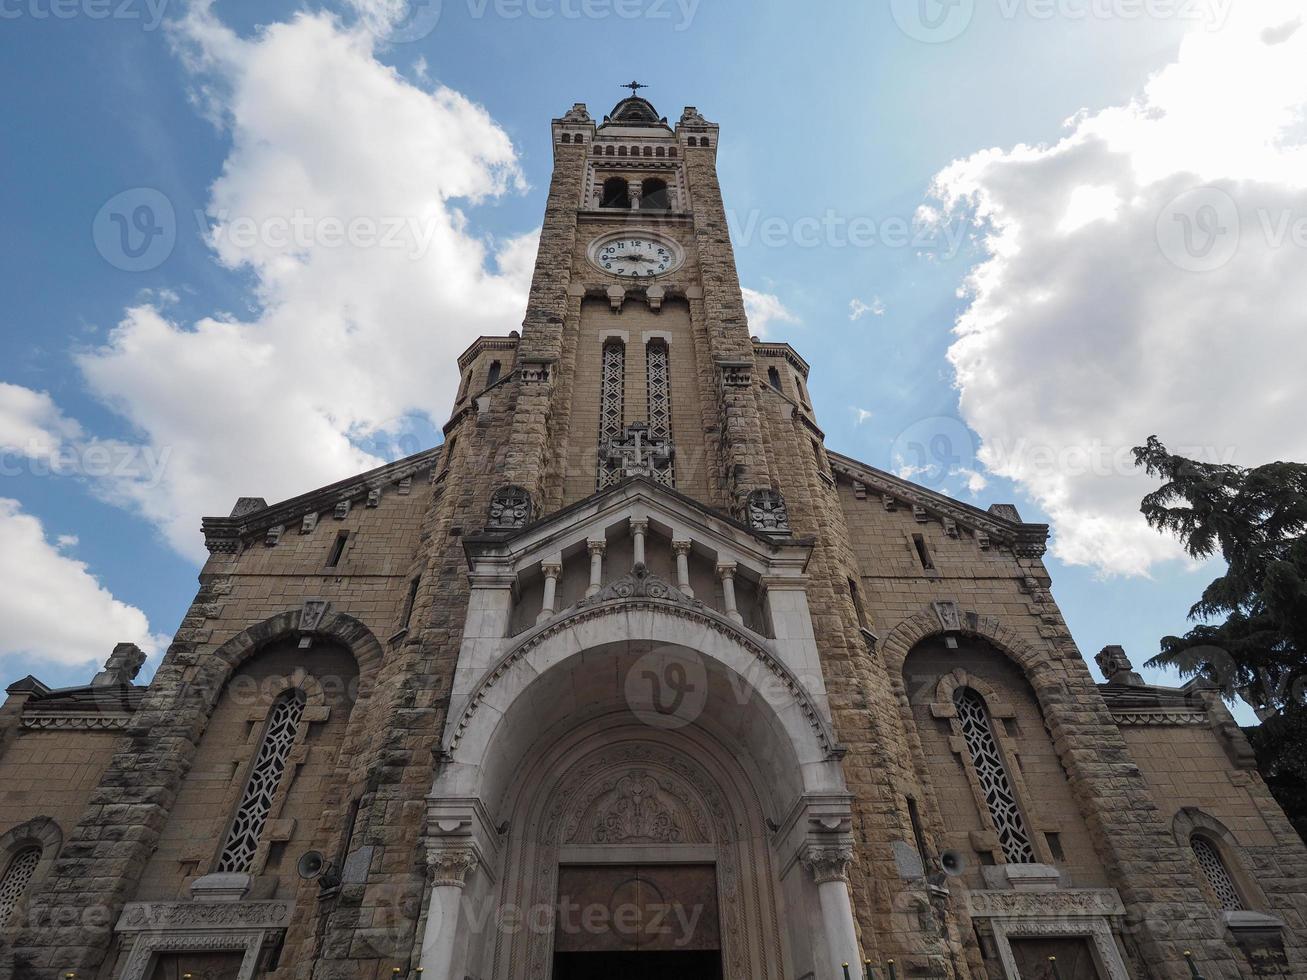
{"x":18,"y":875}
{"x":991,"y":772}
{"x":616,"y":194}
{"x":263,"y":781}
{"x":654,"y":196}
{"x":1217,"y":874}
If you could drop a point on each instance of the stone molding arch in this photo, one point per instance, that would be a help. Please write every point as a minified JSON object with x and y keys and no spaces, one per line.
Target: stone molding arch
{"x":1190,"y":822}
{"x":922,"y":626}
{"x":337,"y":626}
{"x":550,"y":634}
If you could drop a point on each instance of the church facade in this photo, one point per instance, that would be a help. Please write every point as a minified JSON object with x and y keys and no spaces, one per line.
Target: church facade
{"x":633,"y":676}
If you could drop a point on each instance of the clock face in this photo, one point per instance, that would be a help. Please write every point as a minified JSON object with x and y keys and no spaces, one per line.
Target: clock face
{"x":635,"y":255}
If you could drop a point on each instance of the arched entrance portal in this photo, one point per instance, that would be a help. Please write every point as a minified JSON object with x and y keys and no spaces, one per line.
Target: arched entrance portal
{"x":668,"y":803}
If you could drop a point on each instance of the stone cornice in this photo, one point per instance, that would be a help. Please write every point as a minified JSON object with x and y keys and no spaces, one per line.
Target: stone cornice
{"x":225,"y":534}
{"x":765,"y":348}
{"x":1026,"y":540}
{"x":1138,"y":718}
{"x":482,"y":344}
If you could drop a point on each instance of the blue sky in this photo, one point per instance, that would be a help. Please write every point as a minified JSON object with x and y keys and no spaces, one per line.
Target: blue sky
{"x":1012,"y":285}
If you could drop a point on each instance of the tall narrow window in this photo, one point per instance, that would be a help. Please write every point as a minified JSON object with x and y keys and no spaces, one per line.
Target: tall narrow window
{"x":660,"y":404}
{"x":1217,"y":874}
{"x":774,"y":378}
{"x":337,"y":549}
{"x":914,"y":817}
{"x":409,"y":602}
{"x":611,"y":419}
{"x":17,"y":877}
{"x":265,"y":776}
{"x":492,"y":376}
{"x":923,"y":552}
{"x":992,"y":774}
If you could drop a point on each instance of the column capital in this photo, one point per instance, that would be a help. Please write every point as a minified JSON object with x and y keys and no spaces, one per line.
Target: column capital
{"x":596,"y":546}
{"x":828,"y":862}
{"x":682,"y":547}
{"x":551,"y":569}
{"x":451,"y":866}
{"x":639,"y":525}
{"x":726,"y":569}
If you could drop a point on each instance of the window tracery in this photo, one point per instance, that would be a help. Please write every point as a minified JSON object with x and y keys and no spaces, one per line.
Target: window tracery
{"x":660,"y":405}
{"x":265,"y":777}
{"x":992,"y":774}
{"x":611,"y":417}
{"x":1217,"y":874}
{"x":18,"y":875}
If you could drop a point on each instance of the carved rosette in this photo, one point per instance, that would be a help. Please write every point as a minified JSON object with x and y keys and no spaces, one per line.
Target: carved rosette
{"x":510,"y":508}
{"x":828,"y":862}
{"x":451,"y":867}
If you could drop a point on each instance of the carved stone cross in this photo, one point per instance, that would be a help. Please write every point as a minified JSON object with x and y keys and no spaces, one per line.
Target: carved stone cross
{"x":635,"y":452}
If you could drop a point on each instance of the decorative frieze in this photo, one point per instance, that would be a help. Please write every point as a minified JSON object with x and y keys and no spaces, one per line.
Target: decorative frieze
{"x":143,"y":916}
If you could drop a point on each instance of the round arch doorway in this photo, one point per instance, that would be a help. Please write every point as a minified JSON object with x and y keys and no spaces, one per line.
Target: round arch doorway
{"x":649,"y":849}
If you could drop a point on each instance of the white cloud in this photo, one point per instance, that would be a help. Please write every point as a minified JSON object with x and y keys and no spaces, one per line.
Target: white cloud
{"x":31,"y":424}
{"x":332,"y":155}
{"x":858,"y":309}
{"x":764,"y":309}
{"x":1087,"y":328}
{"x":51,"y":606}
{"x":860,"y":415}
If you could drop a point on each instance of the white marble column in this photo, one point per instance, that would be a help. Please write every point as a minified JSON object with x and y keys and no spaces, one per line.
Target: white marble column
{"x":639,"y":528}
{"x":448,"y":871}
{"x":829,"y":867}
{"x":682,"y":551}
{"x":726,"y":572}
{"x":596,"y":565}
{"x":551,"y":570}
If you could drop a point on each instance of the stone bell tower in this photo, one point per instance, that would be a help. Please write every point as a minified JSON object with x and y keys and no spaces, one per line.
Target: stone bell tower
{"x":636,"y":319}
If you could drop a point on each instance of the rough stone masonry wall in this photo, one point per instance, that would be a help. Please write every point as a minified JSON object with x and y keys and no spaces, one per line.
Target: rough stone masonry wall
{"x":245,"y":602}
{"x":893,"y":921}
{"x":1190,"y":767}
{"x":1165,"y":905}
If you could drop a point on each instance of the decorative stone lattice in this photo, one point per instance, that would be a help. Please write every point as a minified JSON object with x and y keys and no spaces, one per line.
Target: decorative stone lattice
{"x":660,"y":406}
{"x":265,"y":777}
{"x":17,"y":877}
{"x":992,"y":774}
{"x":1218,"y":876}
{"x":611,"y":416}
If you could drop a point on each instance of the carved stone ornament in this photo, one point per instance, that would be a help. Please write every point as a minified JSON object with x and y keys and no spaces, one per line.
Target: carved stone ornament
{"x":510,"y":508}
{"x":1116,"y":666}
{"x":637,"y":813}
{"x":640,"y":583}
{"x":692,"y":117}
{"x":451,"y":867}
{"x":273,"y":535}
{"x":828,"y":862}
{"x":950,"y":619}
{"x":142,"y":916}
{"x":767,"y":512}
{"x":636,"y":452}
{"x":577,"y":114}
{"x":122,"y":666}
{"x":312,"y":614}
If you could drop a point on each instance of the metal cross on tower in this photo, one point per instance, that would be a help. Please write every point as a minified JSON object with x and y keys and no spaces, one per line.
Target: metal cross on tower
{"x":634,"y":86}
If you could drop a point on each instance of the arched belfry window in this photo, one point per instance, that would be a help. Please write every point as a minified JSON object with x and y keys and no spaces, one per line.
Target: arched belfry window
{"x":492,"y":376}
{"x":658,"y":371}
{"x":1217,"y":874}
{"x":617,"y":193}
{"x":654,"y":196}
{"x":992,"y":774}
{"x":264,"y":779}
{"x":612,"y":421}
{"x":18,"y":875}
